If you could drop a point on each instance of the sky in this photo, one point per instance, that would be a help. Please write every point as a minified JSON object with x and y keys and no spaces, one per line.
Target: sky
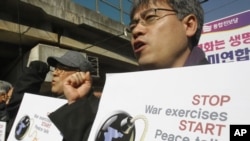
{"x":217,"y":9}
{"x":214,"y":9}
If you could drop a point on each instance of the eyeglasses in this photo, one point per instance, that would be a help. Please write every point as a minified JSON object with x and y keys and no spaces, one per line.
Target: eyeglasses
{"x":149,"y":17}
{"x":59,"y":69}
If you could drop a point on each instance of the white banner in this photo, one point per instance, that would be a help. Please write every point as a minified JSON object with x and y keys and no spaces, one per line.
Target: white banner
{"x":2,"y":130}
{"x":181,"y":104}
{"x":32,"y":122}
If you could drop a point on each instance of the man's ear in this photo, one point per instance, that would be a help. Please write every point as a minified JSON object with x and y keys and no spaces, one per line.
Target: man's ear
{"x":190,"y":23}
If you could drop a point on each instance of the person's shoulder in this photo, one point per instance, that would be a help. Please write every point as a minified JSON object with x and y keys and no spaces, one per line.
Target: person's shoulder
{"x":204,"y":62}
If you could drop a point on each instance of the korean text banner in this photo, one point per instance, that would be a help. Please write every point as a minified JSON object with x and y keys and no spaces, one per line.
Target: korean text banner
{"x":186,"y":104}
{"x":227,"y":39}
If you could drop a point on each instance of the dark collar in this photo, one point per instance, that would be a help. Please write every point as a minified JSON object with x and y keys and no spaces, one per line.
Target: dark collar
{"x":197,"y":57}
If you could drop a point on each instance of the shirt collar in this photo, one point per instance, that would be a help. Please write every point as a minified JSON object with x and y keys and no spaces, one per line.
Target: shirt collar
{"x":196,"y":56}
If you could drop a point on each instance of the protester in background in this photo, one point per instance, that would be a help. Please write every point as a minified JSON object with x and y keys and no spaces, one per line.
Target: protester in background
{"x":29,"y":81}
{"x":5,"y":94}
{"x":72,"y":79}
{"x":164,"y":34}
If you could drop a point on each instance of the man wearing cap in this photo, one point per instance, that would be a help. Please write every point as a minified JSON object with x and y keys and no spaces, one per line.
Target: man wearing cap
{"x":71,"y":78}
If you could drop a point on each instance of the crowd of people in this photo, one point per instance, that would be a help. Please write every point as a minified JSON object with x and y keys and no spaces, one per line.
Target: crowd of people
{"x":164,"y":34}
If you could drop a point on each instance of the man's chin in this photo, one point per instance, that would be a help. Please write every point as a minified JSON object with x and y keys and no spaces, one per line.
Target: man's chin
{"x":55,"y":91}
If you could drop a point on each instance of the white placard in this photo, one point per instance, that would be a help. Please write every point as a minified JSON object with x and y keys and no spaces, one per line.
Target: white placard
{"x":2,"y":130}
{"x":32,"y":122}
{"x":185,"y":104}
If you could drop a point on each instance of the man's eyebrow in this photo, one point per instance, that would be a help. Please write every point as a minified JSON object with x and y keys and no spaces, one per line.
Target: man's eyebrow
{"x":134,"y":21}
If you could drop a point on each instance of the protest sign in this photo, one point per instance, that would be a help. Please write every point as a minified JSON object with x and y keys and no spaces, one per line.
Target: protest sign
{"x":2,"y":130}
{"x":196,"y":103}
{"x":227,"y":39}
{"x":32,"y":122}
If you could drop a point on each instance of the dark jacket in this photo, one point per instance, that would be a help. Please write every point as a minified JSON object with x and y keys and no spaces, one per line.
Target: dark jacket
{"x":197,"y":57}
{"x":75,"y":121}
{"x":29,"y":81}
{"x":3,"y":113}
